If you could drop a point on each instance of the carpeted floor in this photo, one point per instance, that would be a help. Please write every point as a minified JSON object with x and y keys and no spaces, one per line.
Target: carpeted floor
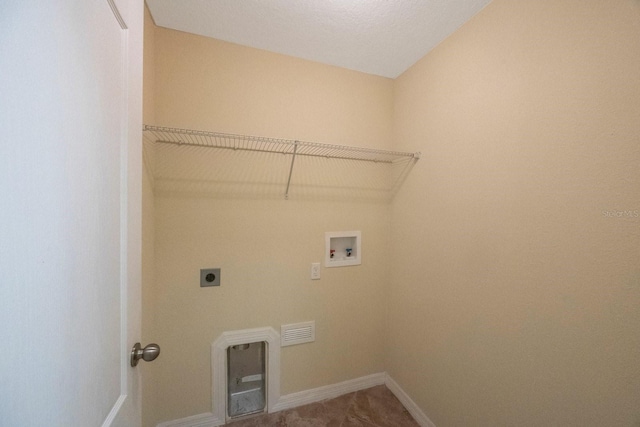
{"x":373,"y":407}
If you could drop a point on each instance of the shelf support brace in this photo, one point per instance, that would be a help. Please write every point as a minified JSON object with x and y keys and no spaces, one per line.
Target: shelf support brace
{"x":293,"y":159}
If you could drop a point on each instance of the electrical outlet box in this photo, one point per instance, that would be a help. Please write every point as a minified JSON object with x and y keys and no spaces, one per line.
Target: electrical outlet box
{"x":209,"y":277}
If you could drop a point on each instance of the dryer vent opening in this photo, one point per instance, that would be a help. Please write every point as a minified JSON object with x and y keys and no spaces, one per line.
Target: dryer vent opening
{"x":246,"y":379}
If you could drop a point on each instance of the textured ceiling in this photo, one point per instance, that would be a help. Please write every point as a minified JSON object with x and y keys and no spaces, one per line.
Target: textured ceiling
{"x":382,"y":37}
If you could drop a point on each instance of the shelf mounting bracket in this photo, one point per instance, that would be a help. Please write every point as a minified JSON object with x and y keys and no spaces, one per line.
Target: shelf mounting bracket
{"x":293,"y":159}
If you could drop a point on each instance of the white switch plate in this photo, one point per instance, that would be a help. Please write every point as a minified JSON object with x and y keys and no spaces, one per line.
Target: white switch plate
{"x":315,"y":271}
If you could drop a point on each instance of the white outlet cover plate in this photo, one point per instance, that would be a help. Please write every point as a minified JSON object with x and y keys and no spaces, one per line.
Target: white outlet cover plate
{"x":315,"y":271}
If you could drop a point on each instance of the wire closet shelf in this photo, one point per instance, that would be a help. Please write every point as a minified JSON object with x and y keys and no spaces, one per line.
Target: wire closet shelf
{"x":199,"y":138}
{"x":271,"y":145}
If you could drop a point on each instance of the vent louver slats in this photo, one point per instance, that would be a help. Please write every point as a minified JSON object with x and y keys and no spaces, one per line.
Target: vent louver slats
{"x":297,"y":333}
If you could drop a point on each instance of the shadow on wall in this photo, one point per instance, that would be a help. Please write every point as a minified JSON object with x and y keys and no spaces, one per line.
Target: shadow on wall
{"x":188,"y":171}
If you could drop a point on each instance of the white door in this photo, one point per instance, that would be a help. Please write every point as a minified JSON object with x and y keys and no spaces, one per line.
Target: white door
{"x":70,"y":121}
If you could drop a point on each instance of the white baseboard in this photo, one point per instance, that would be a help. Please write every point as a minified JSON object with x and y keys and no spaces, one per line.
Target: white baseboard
{"x":300,"y":398}
{"x":201,"y":420}
{"x":415,"y":411}
{"x":328,"y":392}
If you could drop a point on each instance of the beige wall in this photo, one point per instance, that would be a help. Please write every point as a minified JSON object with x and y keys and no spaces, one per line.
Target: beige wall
{"x":207,"y":84}
{"x":510,"y":285}
{"x":213,"y":211}
{"x":514,"y":296}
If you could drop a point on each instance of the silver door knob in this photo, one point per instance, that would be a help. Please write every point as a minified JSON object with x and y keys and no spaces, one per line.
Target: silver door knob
{"x":149,"y":353}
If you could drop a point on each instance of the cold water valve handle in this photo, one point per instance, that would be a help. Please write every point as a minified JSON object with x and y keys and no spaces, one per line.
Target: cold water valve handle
{"x":148,"y":354}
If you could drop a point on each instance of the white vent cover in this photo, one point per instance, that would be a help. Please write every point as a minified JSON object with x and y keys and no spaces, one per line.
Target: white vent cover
{"x":297,"y":333}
